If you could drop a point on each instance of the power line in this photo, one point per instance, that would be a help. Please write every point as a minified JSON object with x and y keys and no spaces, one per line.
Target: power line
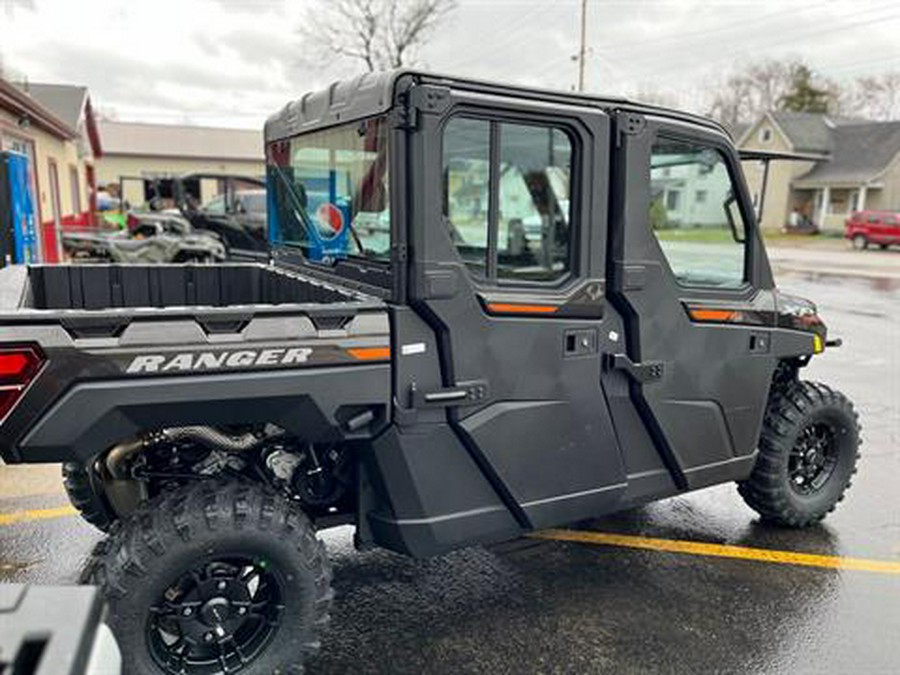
{"x":814,"y":26}
{"x":741,"y":27}
{"x":511,"y":34}
{"x":665,"y":71}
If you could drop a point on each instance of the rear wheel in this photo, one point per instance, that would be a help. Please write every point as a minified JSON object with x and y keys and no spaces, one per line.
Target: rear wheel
{"x":807,"y":455}
{"x":860,"y":242}
{"x":89,"y":503}
{"x":215,"y":578}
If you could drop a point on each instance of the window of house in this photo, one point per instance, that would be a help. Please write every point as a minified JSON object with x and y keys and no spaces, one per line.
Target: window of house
{"x":75,"y":190}
{"x":507,"y":198}
{"x":765,"y":135}
{"x":672,"y":200}
{"x":704,"y":240}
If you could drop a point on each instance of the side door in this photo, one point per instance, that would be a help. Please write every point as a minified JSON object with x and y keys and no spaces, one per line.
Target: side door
{"x":891,"y":229}
{"x":876,"y":227}
{"x":690,"y":276}
{"x":508,"y":245}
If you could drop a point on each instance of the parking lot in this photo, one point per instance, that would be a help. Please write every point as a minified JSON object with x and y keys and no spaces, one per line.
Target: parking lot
{"x":677,"y":586}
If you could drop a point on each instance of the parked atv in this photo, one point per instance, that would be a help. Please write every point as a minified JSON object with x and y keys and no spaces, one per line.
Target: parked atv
{"x":569,"y":311}
{"x":150,"y":238}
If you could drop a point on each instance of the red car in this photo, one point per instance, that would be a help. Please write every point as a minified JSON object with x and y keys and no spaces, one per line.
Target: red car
{"x":873,"y":227}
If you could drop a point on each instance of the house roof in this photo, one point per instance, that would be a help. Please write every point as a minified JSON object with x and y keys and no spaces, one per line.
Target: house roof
{"x":859,"y":153}
{"x":810,"y":132}
{"x":738,"y":130}
{"x":166,"y":140}
{"x":65,"y":100}
{"x":28,"y":108}
{"x":70,"y":103}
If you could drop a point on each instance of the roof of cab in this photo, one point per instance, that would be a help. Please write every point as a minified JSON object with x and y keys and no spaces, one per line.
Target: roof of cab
{"x":373,"y":94}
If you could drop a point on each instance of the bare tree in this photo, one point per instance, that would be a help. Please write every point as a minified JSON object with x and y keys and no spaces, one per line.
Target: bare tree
{"x":750,"y":91}
{"x":874,"y":97}
{"x":382,"y":34}
{"x":658,"y":97}
{"x":731,"y":101}
{"x":756,"y":88}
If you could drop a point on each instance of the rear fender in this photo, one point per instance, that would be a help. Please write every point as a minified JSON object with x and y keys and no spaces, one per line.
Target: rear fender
{"x":315,"y":404}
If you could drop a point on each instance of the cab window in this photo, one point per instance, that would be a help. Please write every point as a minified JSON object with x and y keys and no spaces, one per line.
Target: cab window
{"x":329,"y":193}
{"x":215,"y":206}
{"x":695,"y":214}
{"x":507,"y":198}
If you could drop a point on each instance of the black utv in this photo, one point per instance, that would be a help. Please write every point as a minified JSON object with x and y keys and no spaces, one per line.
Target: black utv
{"x":489,"y":310}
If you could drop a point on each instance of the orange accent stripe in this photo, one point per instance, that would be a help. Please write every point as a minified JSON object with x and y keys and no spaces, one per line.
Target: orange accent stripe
{"x":370,"y":353}
{"x":700,"y":314}
{"x":513,"y":308}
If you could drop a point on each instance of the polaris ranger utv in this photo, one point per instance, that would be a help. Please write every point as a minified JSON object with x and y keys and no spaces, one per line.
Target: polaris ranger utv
{"x":489,"y":310}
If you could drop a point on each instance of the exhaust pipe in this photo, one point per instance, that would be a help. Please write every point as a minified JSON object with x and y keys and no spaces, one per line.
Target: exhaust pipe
{"x":125,"y":493}
{"x":213,"y":438}
{"x":118,"y":455}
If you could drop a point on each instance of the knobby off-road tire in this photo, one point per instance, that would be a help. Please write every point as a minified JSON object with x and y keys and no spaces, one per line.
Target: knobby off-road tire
{"x":184,"y":566}
{"x":807,"y":455}
{"x":90,"y":505}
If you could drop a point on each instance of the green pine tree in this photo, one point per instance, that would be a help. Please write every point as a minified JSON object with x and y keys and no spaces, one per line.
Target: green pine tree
{"x":804,"y":95}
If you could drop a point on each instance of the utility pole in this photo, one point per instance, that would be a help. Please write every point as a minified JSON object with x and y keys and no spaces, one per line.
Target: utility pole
{"x":583,"y":47}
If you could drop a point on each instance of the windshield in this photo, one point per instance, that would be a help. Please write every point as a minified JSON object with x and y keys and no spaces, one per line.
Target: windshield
{"x":329,"y":192}
{"x":252,"y":201}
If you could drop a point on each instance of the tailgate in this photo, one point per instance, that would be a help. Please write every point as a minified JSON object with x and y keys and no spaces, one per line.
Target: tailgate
{"x":107,"y":375}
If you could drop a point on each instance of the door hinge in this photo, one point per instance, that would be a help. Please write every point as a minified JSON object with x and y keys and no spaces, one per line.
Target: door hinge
{"x":629,"y":124}
{"x":644,"y":372}
{"x":428,"y":98}
{"x":400,"y":252}
{"x":405,"y":116}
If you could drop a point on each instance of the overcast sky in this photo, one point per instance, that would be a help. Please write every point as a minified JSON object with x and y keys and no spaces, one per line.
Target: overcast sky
{"x":232,"y":62}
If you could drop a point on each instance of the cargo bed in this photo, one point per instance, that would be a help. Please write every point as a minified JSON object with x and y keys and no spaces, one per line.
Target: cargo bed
{"x":99,"y":287}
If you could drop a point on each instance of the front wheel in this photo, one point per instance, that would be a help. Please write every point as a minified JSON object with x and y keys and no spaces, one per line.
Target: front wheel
{"x":807,"y":455}
{"x":215,"y":578}
{"x":860,"y":242}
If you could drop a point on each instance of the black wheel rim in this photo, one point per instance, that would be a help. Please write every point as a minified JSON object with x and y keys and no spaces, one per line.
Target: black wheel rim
{"x":813,"y":458}
{"x":217,"y":617}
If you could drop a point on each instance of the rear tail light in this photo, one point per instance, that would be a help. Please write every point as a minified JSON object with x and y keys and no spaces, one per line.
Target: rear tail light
{"x":18,"y":367}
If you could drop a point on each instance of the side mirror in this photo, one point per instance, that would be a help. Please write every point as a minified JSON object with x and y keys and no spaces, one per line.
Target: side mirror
{"x":735,"y":219}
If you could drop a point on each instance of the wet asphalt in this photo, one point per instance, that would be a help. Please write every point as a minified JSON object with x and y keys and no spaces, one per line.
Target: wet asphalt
{"x":551,"y":607}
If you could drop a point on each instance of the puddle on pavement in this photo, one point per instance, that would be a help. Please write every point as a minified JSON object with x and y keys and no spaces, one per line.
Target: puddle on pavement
{"x":878,"y":284}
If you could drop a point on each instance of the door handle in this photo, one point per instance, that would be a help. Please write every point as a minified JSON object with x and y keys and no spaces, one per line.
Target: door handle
{"x":644,"y":372}
{"x":464,"y":393}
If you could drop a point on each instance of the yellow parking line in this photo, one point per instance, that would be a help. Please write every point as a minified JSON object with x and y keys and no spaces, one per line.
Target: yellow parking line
{"x":36,"y":514}
{"x":721,"y":551}
{"x":620,"y":540}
